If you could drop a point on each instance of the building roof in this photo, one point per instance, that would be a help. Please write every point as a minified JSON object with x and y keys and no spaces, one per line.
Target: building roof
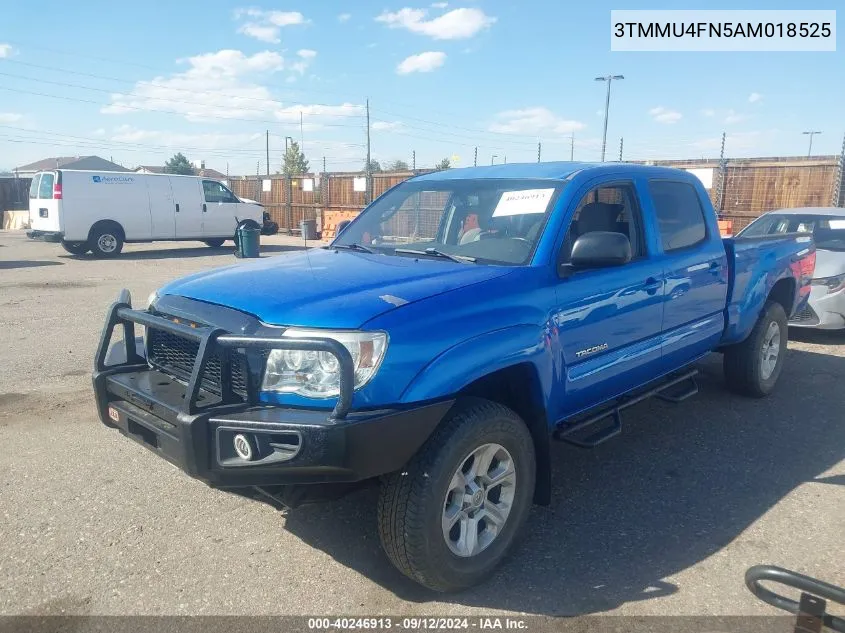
{"x":71,"y":162}
{"x":153,"y":169}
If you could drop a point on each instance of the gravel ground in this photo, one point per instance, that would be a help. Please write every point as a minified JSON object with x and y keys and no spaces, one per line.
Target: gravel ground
{"x":662,"y":521}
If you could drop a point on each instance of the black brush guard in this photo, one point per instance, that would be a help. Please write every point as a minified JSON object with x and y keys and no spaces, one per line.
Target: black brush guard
{"x":121,"y":314}
{"x":184,"y":423}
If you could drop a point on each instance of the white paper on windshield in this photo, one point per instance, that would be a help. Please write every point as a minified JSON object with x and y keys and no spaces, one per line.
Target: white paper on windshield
{"x":523,"y":202}
{"x":837,"y":224}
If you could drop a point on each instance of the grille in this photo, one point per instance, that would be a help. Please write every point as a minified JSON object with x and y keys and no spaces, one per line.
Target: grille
{"x":805,"y":316}
{"x":175,"y":355}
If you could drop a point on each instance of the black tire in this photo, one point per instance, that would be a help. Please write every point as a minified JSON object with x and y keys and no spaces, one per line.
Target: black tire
{"x":412,"y":502}
{"x":215,"y":243}
{"x":743,"y":362}
{"x":106,"y":240}
{"x":76,"y":248}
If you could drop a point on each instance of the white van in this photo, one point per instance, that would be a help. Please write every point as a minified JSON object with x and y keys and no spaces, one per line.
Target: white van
{"x":100,"y":211}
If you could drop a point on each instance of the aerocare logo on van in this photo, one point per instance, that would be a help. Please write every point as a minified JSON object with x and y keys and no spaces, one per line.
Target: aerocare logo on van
{"x":113,"y":180}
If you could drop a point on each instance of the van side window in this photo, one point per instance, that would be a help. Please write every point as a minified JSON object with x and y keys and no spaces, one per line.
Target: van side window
{"x":680,"y":216}
{"x":216,"y":192}
{"x":33,"y":187}
{"x":45,"y":189}
{"x":611,"y":208}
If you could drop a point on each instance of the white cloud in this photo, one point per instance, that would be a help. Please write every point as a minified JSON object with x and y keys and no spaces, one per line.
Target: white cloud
{"x":10,"y":117}
{"x":453,"y":25}
{"x":386,"y":126}
{"x":222,"y":84}
{"x":290,"y":114}
{"x":439,"y":5}
{"x":533,"y":122}
{"x":5,"y":50}
{"x":754,"y":97}
{"x":168,"y":138}
{"x":664,"y":115}
{"x":422,"y":63}
{"x":306,"y":55}
{"x":734,"y":117}
{"x":266,"y":25}
{"x":708,"y":112}
{"x":344,"y":17}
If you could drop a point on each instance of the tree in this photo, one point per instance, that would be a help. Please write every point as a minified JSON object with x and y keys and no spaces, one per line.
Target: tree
{"x":443,"y":164}
{"x":397,"y":165}
{"x":179,"y":165}
{"x":294,"y":162}
{"x":375,"y":166}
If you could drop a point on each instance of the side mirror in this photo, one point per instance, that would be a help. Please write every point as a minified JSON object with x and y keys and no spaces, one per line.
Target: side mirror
{"x":598,"y":249}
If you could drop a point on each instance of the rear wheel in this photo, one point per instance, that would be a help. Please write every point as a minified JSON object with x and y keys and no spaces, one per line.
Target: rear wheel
{"x":76,"y":248}
{"x":449,"y":518}
{"x":106,"y":240}
{"x":752,"y":367}
{"x":215,"y":243}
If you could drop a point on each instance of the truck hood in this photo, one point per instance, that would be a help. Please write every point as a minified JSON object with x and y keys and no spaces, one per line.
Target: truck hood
{"x":328,"y":289}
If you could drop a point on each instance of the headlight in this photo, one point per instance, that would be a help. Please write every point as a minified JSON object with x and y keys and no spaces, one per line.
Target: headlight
{"x":833,"y":283}
{"x":317,"y":374}
{"x":151,"y":299}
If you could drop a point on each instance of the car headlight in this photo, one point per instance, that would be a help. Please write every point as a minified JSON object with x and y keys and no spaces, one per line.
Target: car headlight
{"x":151,"y":299}
{"x":833,"y":284}
{"x":317,"y":374}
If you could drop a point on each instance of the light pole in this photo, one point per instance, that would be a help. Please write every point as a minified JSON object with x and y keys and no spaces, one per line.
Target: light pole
{"x":811,"y":134}
{"x":609,"y":79}
{"x":493,"y":158}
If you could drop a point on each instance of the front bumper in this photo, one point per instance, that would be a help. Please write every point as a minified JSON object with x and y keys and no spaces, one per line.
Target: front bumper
{"x":46,"y":236}
{"x":195,"y":429}
{"x":824,"y":311}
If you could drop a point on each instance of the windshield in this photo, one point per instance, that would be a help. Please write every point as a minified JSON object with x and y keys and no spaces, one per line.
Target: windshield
{"x":828,"y":231}
{"x":478,"y":221}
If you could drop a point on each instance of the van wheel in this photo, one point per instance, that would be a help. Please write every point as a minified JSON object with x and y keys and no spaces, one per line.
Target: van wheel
{"x":106,"y":241}
{"x":215,"y":243}
{"x":753,"y":366}
{"x":76,"y":248}
{"x":450,"y":517}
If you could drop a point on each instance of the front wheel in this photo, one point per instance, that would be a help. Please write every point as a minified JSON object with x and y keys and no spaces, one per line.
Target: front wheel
{"x":449,"y":518}
{"x":752,"y":367}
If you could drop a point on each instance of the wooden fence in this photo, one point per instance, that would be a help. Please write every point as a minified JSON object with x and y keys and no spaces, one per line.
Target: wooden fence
{"x":14,"y":193}
{"x":740,"y":189}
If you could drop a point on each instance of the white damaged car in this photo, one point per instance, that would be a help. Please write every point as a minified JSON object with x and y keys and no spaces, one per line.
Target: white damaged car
{"x":826,"y":309}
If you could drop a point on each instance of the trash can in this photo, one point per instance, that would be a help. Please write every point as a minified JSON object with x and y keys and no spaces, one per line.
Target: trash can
{"x":309,"y":229}
{"x":247,"y":240}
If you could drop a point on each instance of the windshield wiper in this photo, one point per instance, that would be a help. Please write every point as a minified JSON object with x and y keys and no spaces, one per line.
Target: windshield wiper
{"x":354,"y":247}
{"x":461,"y":259}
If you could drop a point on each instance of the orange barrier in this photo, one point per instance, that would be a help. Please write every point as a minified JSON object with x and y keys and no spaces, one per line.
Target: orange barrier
{"x":332,"y":218}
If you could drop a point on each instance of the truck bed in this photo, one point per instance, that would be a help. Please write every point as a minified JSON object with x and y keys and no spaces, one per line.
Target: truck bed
{"x":757,"y":265}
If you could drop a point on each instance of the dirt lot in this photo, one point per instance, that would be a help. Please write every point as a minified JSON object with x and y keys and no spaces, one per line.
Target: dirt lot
{"x":663,"y":520}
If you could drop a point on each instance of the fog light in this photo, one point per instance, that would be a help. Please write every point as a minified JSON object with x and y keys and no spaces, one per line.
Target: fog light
{"x":243,"y":447}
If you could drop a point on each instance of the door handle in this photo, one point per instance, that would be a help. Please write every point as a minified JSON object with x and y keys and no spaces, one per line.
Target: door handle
{"x":177,"y":207}
{"x":715,"y":267}
{"x":204,"y":208}
{"x":652,"y":285}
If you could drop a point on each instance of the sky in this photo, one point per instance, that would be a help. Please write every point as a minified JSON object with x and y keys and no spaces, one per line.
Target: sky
{"x":138,"y":82}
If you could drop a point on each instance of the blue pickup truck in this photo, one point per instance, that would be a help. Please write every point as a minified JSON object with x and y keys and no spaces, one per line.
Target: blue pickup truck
{"x":462,"y":322}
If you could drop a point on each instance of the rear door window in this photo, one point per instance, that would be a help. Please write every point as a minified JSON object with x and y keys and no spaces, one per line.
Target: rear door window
{"x":45,"y":189}
{"x":680,"y":216}
{"x":33,"y":187}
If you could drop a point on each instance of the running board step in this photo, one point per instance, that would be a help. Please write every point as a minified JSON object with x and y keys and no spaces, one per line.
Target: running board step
{"x":570,"y":432}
